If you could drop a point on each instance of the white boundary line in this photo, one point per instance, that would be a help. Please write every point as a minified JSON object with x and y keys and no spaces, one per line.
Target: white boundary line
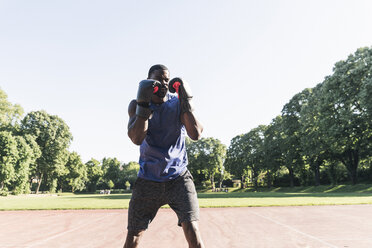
{"x":295,"y":230}
{"x":63,"y":233}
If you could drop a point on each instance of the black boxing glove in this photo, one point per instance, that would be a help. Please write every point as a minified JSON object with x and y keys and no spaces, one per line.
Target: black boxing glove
{"x":184,"y":94}
{"x":145,"y":91}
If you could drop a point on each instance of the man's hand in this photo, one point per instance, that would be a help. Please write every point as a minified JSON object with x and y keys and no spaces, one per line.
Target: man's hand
{"x":184,"y":94}
{"x":145,"y":91}
{"x":193,"y":127}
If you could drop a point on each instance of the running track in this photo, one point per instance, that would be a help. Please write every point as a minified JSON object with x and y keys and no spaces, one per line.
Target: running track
{"x":310,"y":226}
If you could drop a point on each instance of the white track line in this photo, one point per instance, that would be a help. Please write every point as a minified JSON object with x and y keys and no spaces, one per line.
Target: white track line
{"x":63,"y":233}
{"x":295,"y":230}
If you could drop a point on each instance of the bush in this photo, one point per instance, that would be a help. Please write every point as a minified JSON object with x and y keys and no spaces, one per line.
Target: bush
{"x":110,"y":184}
{"x":127,"y":185}
{"x":4,"y":192}
{"x":207,"y":184}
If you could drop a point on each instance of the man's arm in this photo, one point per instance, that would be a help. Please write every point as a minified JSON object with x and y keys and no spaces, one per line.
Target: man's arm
{"x":139,"y":111}
{"x":137,"y":126}
{"x":193,"y":127}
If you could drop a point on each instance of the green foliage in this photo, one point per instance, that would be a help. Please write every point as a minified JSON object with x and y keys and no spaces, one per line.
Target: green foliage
{"x":312,"y":139}
{"x":9,"y":113}
{"x":236,"y":162}
{"x":22,"y":166}
{"x":76,"y":175}
{"x":110,"y":184}
{"x":53,"y":137}
{"x":8,"y":158}
{"x":127,"y":184}
{"x":319,"y":128}
{"x":206,"y":158}
{"x":365,"y":95}
{"x":111,"y":171}
{"x":129,"y":173}
{"x":246,"y":155}
{"x":291,"y":139}
{"x":273,"y":156}
{"x":344,"y":121}
{"x":94,"y":174}
{"x":4,"y":192}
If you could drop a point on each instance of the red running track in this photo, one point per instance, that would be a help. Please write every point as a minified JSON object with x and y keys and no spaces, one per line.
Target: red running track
{"x":310,"y":226}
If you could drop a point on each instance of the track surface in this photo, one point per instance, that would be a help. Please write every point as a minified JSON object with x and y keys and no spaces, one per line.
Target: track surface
{"x":313,"y":226}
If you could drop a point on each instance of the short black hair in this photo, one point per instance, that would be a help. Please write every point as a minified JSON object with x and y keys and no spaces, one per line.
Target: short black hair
{"x":157,"y":67}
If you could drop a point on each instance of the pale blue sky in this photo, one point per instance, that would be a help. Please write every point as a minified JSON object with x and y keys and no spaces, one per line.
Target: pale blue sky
{"x":82,"y":60}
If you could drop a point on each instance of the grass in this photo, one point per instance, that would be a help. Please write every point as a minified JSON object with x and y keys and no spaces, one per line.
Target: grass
{"x":358,"y":188}
{"x":297,"y":196}
{"x":265,"y":199}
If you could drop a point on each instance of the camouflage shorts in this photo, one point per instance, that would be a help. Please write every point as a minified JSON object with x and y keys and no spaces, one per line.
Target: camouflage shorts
{"x":149,"y":196}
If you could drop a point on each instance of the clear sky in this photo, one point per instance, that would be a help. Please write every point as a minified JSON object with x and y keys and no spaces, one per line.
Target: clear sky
{"x":82,"y":60}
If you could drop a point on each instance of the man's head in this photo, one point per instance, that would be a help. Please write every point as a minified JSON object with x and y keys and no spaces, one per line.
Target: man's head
{"x":160,"y":73}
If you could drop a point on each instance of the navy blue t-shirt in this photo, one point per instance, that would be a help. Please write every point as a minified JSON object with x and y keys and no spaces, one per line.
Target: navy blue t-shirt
{"x":163,"y":154}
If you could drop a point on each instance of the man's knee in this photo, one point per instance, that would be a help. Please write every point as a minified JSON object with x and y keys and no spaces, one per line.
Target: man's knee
{"x":190,"y":226}
{"x":135,"y":233}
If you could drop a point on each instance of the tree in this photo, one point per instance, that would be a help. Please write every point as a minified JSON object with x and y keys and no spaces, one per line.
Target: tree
{"x":111,"y":171}
{"x":254,"y":152}
{"x":130,"y":172}
{"x":94,"y":174}
{"x":110,"y":184}
{"x":34,"y":155}
{"x":291,"y":138}
{"x":236,"y":161}
{"x":345,"y":121}
{"x":366,"y":103}
{"x":16,"y":164}
{"x":365,"y":96}
{"x":313,"y":142}
{"x":26,"y":157}
{"x":9,"y":113}
{"x":127,"y":185}
{"x":246,"y":155}
{"x":76,"y":175}
{"x":8,"y":158}
{"x":53,"y":137}
{"x":206,"y":156}
{"x":273,"y":157}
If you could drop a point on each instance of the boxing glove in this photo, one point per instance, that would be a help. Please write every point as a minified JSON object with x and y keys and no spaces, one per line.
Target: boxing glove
{"x":145,"y":91}
{"x":184,"y":94}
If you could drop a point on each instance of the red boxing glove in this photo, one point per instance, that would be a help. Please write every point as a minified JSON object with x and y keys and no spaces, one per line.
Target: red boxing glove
{"x":179,"y":86}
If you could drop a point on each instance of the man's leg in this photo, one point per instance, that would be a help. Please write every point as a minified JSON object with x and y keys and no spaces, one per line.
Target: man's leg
{"x":183,"y":200}
{"x":133,"y":238}
{"x":143,"y":206}
{"x":192,"y":234}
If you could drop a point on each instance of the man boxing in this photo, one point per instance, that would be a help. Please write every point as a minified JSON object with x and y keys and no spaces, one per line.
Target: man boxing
{"x":159,"y":122}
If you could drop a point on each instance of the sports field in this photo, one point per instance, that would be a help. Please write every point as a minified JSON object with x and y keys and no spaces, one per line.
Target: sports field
{"x":280,"y":227}
{"x":206,"y":200}
{"x":296,"y":217}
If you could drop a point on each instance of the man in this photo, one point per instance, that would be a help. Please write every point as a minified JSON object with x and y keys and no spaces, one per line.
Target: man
{"x":158,"y":122}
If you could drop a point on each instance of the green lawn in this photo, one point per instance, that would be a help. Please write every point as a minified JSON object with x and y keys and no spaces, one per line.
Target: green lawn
{"x":206,"y":200}
{"x":264,"y":199}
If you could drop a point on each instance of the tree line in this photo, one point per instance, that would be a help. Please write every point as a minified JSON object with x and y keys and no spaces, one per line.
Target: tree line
{"x":323,"y":136}
{"x":34,"y":155}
